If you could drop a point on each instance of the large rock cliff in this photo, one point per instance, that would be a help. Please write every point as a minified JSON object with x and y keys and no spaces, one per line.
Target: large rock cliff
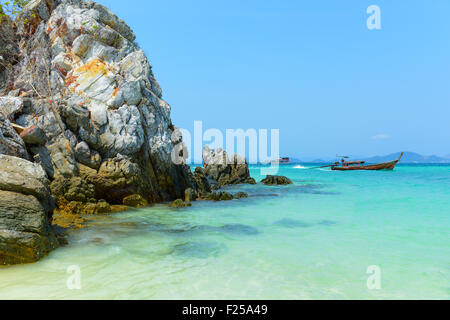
{"x":78,"y":96}
{"x":90,"y":92}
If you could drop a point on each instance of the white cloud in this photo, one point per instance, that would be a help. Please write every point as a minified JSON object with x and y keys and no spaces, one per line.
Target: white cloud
{"x":382,"y":136}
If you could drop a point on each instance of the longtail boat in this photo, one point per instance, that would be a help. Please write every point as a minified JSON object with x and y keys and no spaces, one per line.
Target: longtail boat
{"x":361,"y":165}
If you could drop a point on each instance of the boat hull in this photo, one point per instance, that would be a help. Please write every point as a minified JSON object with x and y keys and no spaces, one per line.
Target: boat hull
{"x":381,"y":166}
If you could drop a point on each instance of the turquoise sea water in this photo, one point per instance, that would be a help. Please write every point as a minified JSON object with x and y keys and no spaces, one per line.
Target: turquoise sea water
{"x":312,"y":240}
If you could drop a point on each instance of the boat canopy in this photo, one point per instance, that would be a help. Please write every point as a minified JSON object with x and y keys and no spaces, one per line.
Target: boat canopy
{"x":354,"y":162}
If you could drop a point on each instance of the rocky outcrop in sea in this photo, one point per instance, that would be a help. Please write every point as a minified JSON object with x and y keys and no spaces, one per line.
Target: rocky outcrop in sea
{"x":276,"y":180}
{"x":218,"y":171}
{"x":82,"y":114}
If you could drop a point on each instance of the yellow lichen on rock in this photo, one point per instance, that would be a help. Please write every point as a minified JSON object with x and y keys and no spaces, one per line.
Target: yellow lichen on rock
{"x":93,"y":69}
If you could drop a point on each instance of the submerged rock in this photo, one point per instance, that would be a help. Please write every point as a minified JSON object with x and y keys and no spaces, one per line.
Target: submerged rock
{"x":327,"y":223}
{"x":224,"y":196}
{"x":200,"y":250}
{"x":292,"y":223}
{"x":239,"y":229}
{"x":276,"y":180}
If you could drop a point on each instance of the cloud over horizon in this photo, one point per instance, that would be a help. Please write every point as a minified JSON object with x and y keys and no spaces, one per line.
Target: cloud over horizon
{"x":382,"y":136}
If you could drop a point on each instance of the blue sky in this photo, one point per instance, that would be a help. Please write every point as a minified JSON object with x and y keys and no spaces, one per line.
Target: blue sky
{"x":309,"y":68}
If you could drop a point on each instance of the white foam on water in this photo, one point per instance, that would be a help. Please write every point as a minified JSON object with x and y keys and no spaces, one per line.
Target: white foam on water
{"x":299,"y":167}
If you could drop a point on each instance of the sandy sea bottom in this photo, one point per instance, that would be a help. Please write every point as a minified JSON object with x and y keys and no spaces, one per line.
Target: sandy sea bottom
{"x":313,"y":240}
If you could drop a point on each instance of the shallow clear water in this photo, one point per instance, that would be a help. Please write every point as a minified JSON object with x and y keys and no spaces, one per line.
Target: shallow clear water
{"x":312,"y":240}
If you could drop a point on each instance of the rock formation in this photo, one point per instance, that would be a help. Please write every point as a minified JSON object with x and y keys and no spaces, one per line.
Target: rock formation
{"x":79,"y":98}
{"x":220,"y":171}
{"x":25,"y":212}
{"x":276,"y":180}
{"x":93,"y":108}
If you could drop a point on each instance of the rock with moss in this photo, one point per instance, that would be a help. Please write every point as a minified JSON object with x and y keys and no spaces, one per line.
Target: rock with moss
{"x":219,"y":196}
{"x":179,"y":204}
{"x":73,"y":189}
{"x":81,"y":208}
{"x":240,"y":195}
{"x":189,"y":195}
{"x":119,"y":208}
{"x":224,"y":171}
{"x":135,"y":201}
{"x":101,"y":207}
{"x":201,"y":182}
{"x":276,"y":180}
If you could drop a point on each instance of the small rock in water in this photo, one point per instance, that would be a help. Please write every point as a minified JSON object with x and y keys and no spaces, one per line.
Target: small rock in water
{"x":179,"y":204}
{"x":291,"y":223}
{"x":276,"y":180}
{"x":135,"y":201}
{"x":222,"y":171}
{"x":240,"y":195}
{"x":219,"y":196}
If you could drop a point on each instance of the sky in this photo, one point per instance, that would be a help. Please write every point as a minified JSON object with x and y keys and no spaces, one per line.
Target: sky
{"x":311,"y":69}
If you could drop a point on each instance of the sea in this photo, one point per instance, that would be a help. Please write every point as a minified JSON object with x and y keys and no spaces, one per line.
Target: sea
{"x":330,"y":235}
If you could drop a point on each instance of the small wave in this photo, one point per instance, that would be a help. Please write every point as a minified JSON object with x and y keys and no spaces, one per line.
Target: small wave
{"x":299,"y":167}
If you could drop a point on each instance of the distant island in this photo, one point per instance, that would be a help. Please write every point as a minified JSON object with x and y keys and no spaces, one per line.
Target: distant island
{"x":409,"y":157}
